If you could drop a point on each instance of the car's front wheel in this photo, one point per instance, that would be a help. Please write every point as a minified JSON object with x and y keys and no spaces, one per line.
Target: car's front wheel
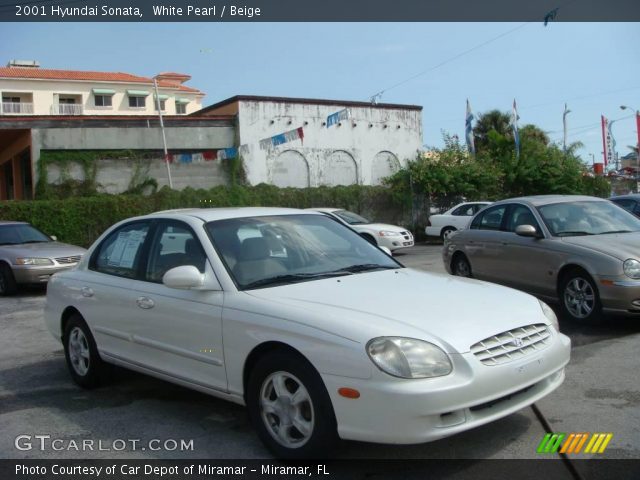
{"x":460,"y":265}
{"x":290,"y":408}
{"x":579,"y":298}
{"x":8,"y":284}
{"x":83,"y":361}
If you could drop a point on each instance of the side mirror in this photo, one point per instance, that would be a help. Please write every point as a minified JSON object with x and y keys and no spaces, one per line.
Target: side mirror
{"x":526,"y":231}
{"x":183,"y":277}
{"x":53,"y":237}
{"x":386,"y":250}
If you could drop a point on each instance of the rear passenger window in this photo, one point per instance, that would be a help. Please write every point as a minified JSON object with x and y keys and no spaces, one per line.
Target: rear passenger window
{"x":120,"y":253}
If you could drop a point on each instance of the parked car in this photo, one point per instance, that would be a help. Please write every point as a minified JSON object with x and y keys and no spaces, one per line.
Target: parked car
{"x":381,"y":234}
{"x":582,"y":251}
{"x":29,"y":256}
{"x":629,"y":202}
{"x":320,"y":337}
{"x":456,"y":218}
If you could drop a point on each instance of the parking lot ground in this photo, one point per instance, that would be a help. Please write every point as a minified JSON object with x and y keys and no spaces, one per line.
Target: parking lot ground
{"x":601,"y":394}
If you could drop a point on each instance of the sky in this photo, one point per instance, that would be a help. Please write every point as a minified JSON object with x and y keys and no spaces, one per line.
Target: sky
{"x":593,"y":67}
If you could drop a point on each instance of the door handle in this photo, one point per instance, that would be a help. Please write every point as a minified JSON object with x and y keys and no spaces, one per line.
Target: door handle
{"x":145,"y":302}
{"x":86,"y":292}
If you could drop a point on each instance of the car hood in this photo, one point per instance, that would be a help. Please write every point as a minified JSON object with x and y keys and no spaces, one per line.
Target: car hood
{"x":42,"y":250}
{"x":379,"y":226}
{"x":618,"y":245}
{"x":453,"y":312}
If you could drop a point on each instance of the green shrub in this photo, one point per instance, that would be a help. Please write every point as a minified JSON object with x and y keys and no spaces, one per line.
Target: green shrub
{"x":80,"y":220}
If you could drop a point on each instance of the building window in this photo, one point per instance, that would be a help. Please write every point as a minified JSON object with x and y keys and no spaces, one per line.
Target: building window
{"x":103,"y":100}
{"x":66,"y":100}
{"x":181,"y":108}
{"x":10,"y":99}
{"x":137,"y":102}
{"x":162,"y":105}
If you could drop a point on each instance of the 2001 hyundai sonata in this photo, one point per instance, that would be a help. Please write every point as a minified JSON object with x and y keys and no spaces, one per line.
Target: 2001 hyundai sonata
{"x":321,"y":334}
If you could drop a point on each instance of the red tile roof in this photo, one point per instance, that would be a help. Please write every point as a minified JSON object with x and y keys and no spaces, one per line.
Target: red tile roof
{"x":49,"y":74}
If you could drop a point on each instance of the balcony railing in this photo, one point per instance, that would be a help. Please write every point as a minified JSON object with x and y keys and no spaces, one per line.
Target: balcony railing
{"x":66,"y":109}
{"x":16,"y":108}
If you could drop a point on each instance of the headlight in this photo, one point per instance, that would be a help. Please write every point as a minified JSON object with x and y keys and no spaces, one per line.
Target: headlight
{"x":408,"y":357}
{"x":33,"y":261}
{"x":388,"y":233}
{"x":550,"y":314}
{"x":631,"y":268}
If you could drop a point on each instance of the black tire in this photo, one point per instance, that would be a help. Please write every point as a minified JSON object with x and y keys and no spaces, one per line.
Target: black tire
{"x":8,"y":285}
{"x":460,"y":265}
{"x":579,"y":298}
{"x":86,"y":370}
{"x":444,"y":233}
{"x":315,"y":414}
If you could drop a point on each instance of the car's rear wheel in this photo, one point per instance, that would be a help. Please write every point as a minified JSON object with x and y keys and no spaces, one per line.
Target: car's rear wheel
{"x":446,"y":231}
{"x":290,"y":408}
{"x":579,"y":298}
{"x":83,"y":361}
{"x":8,"y":285}
{"x":460,"y":265}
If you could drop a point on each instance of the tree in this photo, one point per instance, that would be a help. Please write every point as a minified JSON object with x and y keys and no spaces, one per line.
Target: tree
{"x":493,"y":120}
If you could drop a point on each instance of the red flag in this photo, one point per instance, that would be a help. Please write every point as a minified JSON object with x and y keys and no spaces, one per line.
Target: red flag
{"x":604,"y":138}
{"x":301,"y":134}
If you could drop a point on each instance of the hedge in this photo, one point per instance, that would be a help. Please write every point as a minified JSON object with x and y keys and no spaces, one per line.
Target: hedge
{"x":81,"y":220}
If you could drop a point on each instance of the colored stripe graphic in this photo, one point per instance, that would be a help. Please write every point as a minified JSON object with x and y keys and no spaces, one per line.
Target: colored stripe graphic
{"x":572,"y":443}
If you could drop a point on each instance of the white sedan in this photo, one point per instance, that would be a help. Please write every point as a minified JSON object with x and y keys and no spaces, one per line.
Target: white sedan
{"x":456,"y":218}
{"x":381,"y":234}
{"x":319,"y":333}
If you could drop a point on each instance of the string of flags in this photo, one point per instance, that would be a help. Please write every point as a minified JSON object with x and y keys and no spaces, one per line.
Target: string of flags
{"x":208,"y":156}
{"x":337,"y":117}
{"x":286,"y":137}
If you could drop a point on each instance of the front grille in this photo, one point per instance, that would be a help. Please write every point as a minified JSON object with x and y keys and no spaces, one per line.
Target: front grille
{"x":406,"y":235}
{"x":508,"y":346}
{"x":490,"y":404}
{"x":67,"y":260}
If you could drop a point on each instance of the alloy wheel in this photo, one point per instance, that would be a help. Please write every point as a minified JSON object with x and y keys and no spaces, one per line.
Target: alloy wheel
{"x":286,"y":409}
{"x":579,"y":297}
{"x":79,"y":351}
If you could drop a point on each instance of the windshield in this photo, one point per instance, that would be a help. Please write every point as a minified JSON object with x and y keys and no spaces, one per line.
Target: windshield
{"x":587,"y":218}
{"x":351,"y":218}
{"x":276,"y":250}
{"x":17,"y":233}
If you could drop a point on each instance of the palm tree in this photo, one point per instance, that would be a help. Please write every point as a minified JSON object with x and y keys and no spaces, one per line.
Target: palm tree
{"x":493,"y":120}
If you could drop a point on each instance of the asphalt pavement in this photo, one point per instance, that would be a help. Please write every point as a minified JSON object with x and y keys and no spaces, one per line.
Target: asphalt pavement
{"x":601,"y":394}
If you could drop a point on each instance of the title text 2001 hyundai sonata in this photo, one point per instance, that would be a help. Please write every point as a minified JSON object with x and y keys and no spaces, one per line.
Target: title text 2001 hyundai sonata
{"x":321,"y":334}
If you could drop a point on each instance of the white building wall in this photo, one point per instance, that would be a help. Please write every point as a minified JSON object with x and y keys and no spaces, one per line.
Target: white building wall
{"x":42,"y":94}
{"x":340,"y":154}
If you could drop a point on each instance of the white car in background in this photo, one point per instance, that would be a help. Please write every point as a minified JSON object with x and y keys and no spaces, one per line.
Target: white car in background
{"x":327,"y":338}
{"x":456,"y":218}
{"x":381,"y":234}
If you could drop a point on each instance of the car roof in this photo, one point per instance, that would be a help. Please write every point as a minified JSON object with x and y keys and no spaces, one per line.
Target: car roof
{"x":12,"y":222}
{"x":325,"y":209}
{"x":633,"y":196}
{"x":539,"y":200}
{"x":212,"y":214}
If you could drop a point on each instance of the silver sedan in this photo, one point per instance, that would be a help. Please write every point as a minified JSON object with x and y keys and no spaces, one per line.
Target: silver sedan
{"x":29,"y":256}
{"x":582,"y":251}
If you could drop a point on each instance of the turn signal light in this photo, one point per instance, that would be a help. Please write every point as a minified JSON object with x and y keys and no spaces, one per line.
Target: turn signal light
{"x":349,"y":392}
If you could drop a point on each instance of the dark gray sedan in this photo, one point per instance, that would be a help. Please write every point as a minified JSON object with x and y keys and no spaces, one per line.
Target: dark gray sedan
{"x":29,"y":256}
{"x":630,"y":202}
{"x":582,"y":251}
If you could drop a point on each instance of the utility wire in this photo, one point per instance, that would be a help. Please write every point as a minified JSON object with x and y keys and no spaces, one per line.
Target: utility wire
{"x":449,"y":60}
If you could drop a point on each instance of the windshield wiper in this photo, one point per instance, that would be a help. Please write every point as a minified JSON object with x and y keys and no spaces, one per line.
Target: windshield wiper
{"x":364,"y":267}
{"x":616,"y":231}
{"x":37,"y":241}
{"x":568,"y":233}
{"x":293,"y":277}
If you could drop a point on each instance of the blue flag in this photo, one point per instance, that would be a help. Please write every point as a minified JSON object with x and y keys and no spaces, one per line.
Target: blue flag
{"x":468,"y":130}
{"x":514,"y":127}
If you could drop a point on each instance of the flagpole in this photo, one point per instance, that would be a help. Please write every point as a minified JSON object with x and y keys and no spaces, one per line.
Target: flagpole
{"x":164,"y":137}
{"x":564,"y":127}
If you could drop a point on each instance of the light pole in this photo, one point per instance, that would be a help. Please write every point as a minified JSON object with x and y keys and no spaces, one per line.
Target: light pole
{"x":625,"y":107}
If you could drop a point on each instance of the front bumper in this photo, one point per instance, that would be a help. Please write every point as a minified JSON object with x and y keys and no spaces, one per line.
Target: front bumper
{"x":37,"y":273}
{"x":392,"y":410}
{"x":396,"y":242}
{"x":619,"y":295}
